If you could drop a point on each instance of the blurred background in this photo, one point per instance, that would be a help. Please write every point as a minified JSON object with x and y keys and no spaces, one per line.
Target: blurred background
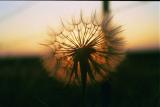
{"x":25,"y":83}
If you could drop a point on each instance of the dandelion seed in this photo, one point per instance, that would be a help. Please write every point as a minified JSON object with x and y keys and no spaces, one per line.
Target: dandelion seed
{"x":86,"y":51}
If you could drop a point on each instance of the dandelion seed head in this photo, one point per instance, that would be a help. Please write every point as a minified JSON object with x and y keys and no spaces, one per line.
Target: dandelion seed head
{"x":85,"y":50}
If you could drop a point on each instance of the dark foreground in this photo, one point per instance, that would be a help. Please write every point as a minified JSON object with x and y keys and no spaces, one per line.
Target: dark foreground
{"x":24,"y":83}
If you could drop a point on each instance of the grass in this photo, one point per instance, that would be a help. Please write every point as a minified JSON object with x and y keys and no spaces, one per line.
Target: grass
{"x":25,"y":83}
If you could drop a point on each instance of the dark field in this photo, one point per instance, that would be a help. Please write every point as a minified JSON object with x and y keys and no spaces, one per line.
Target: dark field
{"x":24,"y":83}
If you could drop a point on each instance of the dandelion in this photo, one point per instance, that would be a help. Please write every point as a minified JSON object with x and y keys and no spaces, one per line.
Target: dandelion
{"x":85,"y":51}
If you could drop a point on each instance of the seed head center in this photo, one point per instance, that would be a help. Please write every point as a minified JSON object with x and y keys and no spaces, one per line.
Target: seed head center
{"x":84,"y":52}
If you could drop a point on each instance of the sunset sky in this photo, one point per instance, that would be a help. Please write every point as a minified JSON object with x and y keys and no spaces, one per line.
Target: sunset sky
{"x":24,"y":24}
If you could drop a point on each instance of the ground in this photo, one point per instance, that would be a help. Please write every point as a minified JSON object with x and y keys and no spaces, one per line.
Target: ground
{"x":25,"y":83}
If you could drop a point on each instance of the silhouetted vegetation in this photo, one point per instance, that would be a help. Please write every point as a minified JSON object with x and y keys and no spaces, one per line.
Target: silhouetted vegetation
{"x":84,"y":52}
{"x":25,"y":83}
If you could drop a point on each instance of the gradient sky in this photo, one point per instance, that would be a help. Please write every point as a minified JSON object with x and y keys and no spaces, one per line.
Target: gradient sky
{"x":24,"y":24}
